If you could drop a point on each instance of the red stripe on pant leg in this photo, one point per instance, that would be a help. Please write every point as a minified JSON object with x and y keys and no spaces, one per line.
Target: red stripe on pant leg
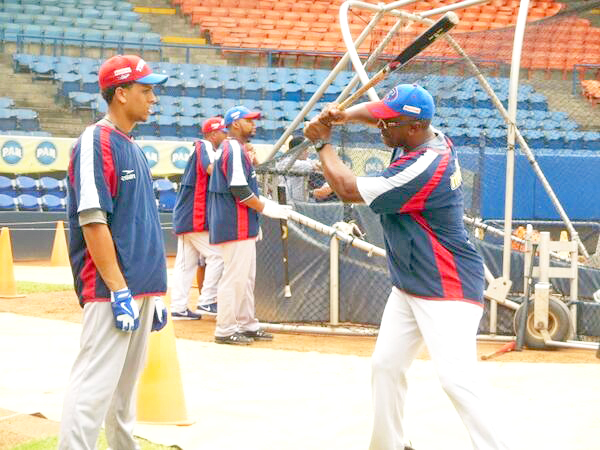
{"x":444,"y":260}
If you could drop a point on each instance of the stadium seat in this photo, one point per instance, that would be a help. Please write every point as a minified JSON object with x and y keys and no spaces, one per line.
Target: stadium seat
{"x":7,"y":203}
{"x":192,"y":87}
{"x":167,"y":125}
{"x":53,"y":203}
{"x":27,"y":185}
{"x":8,"y":119}
{"x":188,"y":127}
{"x":591,"y":140}
{"x":26,"y":202}
{"x":27,"y":119}
{"x":50,"y":185}
{"x":173,"y":87}
{"x":7,"y":186}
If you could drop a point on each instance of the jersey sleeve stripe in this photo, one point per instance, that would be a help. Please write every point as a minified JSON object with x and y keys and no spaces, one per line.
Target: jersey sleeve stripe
{"x":88,"y":277}
{"x":199,"y":208}
{"x":89,"y":197}
{"x":444,"y":260}
{"x":372,"y":187}
{"x":238,"y":178}
{"x":107,"y":160}
{"x":242,"y":219}
{"x":417,"y":202}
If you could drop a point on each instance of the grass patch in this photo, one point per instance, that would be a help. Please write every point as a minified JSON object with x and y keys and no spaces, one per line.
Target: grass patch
{"x":51,"y":443}
{"x":31,"y":287}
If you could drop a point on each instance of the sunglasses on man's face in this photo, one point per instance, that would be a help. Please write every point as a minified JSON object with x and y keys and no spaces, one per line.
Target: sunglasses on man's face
{"x":383,"y":125}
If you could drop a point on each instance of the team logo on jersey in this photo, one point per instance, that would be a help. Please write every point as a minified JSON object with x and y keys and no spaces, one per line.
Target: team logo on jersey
{"x":12,"y":152}
{"x":127,"y":174}
{"x":373,"y":166}
{"x":151,"y":154}
{"x":180,"y":156}
{"x":456,"y":177}
{"x":46,"y":153}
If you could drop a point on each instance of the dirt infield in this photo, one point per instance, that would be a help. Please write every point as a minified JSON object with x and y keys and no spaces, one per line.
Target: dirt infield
{"x":64,"y":306}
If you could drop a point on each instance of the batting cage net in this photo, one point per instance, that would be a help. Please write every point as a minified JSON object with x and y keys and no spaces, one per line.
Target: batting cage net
{"x":555,"y":115}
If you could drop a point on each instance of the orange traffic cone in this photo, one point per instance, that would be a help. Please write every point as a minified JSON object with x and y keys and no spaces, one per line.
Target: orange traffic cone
{"x":160,"y":392}
{"x":8,"y":286}
{"x":60,"y":252}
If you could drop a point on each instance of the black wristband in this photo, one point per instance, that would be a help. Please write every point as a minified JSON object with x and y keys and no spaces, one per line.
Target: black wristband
{"x":319,"y":144}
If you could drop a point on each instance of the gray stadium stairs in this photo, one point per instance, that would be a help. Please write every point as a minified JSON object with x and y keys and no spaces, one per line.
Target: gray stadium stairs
{"x":39,"y":95}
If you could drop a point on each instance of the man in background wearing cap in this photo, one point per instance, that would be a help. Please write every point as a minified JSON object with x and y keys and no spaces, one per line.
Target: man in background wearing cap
{"x":190,"y":220}
{"x":233,"y":226}
{"x":437,"y":275}
{"x":118,"y":260}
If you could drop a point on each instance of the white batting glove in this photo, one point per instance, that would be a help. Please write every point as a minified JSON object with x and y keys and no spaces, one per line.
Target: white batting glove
{"x":275,"y":210}
{"x":125,"y":310}
{"x":160,"y":314}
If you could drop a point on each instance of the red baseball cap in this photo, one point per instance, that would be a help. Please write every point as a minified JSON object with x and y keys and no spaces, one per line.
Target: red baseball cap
{"x":213,"y":124}
{"x":121,"y":69}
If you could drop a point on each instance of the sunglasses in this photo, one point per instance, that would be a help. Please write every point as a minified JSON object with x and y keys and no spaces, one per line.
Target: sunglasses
{"x":383,"y":125}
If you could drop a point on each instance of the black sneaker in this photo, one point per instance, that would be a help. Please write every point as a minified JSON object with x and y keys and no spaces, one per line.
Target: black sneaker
{"x":258,"y":335}
{"x":186,"y":315}
{"x":235,"y":338}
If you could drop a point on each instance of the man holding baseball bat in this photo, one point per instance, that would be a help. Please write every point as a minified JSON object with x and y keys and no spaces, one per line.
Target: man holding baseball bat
{"x":437,"y":274}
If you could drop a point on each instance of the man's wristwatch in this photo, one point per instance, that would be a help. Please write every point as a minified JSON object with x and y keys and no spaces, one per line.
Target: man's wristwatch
{"x":319,"y":144}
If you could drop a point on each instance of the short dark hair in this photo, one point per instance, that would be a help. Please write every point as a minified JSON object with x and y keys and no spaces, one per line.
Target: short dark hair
{"x":295,"y":141}
{"x":109,"y":92}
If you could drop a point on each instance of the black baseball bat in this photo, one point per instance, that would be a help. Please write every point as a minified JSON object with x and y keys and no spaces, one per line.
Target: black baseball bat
{"x":281,"y":198}
{"x":428,"y":37}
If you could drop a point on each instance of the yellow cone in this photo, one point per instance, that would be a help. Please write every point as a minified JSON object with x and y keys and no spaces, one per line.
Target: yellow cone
{"x":60,"y":252}
{"x":8,"y":286}
{"x":160,"y":391}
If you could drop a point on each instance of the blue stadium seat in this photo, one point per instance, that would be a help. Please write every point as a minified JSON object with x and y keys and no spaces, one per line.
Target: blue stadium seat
{"x":26,"y":202}
{"x":147,"y":128}
{"x":292,"y":92}
{"x":165,"y":190}
{"x":7,"y":186}
{"x":555,"y":139}
{"x":574,"y":140}
{"x":188,"y":127}
{"x":213,"y":88}
{"x":8,"y":119}
{"x":27,"y":119}
{"x":53,"y":203}
{"x":192,"y":87}
{"x":167,"y":125}
{"x":273,"y":91}
{"x":535,"y":138}
{"x":232,"y":89}
{"x":27,"y":185}
{"x":50,"y":185}
{"x":252,"y":90}
{"x":591,"y":140}
{"x":7,"y":203}
{"x":173,"y":87}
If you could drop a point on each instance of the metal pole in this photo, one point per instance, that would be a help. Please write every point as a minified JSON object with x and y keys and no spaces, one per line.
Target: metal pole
{"x":334,"y":281}
{"x":513,"y":89}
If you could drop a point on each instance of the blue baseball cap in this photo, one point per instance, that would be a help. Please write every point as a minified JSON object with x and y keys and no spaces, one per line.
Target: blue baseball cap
{"x":405,"y":99}
{"x":240,"y":112}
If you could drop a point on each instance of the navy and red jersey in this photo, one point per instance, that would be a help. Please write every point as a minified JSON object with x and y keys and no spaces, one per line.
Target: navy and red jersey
{"x":109,"y":172}
{"x":229,"y":218}
{"x":420,"y":200}
{"x":191,"y":207}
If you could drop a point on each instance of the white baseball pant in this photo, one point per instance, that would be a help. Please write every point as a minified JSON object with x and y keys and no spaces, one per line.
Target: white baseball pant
{"x":190,"y":247}
{"x":449,"y":330}
{"x":235,"y":295}
{"x":103,"y":380}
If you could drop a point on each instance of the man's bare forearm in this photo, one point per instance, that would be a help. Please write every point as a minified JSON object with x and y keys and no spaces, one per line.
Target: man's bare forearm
{"x":99,"y":243}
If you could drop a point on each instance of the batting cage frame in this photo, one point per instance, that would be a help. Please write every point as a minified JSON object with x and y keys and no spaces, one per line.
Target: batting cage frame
{"x":498,"y":287}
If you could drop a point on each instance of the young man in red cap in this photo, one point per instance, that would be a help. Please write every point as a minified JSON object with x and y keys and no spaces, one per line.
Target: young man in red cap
{"x":437,"y":275}
{"x":190,"y":220}
{"x":233,"y":219}
{"x":118,"y":260}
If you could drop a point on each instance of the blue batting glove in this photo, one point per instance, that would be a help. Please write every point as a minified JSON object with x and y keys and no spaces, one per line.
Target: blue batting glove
{"x":160,"y":314}
{"x":125,"y":310}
